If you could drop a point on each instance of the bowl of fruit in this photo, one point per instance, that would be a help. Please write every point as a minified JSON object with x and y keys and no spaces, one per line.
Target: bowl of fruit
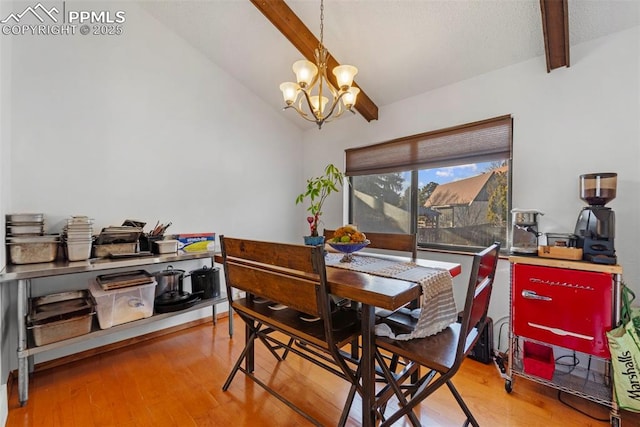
{"x":348,"y":240}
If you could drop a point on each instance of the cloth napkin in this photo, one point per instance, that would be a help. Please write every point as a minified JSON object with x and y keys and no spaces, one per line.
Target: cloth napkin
{"x":438,"y":308}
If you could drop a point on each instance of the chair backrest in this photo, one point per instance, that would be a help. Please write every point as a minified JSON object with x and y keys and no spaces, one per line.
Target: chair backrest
{"x":483,"y":271}
{"x":283,"y":273}
{"x":390,"y":241}
{"x":292,"y":275}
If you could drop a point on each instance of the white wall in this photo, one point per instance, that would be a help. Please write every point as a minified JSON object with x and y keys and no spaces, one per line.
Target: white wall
{"x":142,"y":126}
{"x":5,"y":126}
{"x":571,"y":121}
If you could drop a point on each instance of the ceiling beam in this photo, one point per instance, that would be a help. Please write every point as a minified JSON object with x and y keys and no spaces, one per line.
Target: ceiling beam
{"x":555,"y":28}
{"x":283,"y":18}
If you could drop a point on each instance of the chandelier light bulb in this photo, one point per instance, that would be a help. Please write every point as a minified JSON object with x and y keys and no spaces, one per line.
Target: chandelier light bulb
{"x":344,"y":75}
{"x":349,"y":98}
{"x":289,"y":92}
{"x":305,"y":71}
{"x":314,"y":104}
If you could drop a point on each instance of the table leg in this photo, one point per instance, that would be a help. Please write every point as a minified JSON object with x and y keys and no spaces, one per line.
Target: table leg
{"x":368,"y":366}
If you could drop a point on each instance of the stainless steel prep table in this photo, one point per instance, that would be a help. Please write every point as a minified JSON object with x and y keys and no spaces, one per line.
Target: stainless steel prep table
{"x":22,"y":274}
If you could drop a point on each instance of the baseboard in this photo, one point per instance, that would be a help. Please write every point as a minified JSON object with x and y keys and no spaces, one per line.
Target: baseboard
{"x":117,"y":345}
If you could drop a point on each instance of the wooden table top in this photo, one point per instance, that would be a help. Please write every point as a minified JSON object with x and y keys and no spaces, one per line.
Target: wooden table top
{"x":383,"y":292}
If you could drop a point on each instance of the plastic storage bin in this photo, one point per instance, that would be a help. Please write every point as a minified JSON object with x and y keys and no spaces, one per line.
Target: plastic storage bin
{"x":538,"y":360}
{"x":122,"y":305}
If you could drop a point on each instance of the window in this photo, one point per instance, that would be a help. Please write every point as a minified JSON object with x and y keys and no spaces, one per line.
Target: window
{"x":451,"y":186}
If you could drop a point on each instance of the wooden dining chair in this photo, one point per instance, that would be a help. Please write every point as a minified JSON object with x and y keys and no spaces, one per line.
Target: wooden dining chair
{"x":293,"y":276}
{"x":442,"y":353}
{"x":401,"y":242}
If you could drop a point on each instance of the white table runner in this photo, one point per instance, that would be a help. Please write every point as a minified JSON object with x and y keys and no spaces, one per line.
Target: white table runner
{"x":438,"y":308}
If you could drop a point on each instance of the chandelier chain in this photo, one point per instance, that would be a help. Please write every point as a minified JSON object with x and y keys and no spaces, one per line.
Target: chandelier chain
{"x":321,"y":23}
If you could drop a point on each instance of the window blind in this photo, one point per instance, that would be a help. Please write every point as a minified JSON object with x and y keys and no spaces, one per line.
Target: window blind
{"x":476,"y":142}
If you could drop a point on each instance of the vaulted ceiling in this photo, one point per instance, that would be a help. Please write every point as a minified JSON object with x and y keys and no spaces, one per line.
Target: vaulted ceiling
{"x":401,"y":47}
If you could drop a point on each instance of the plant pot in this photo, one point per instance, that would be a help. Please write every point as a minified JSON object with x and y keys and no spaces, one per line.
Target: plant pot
{"x":313,"y":240}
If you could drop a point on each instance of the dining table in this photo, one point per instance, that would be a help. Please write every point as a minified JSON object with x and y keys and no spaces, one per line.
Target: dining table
{"x":371,"y":291}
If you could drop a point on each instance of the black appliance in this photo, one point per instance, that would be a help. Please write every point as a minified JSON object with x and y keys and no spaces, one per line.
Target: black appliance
{"x":206,"y":282}
{"x":595,"y":228}
{"x":483,"y":350}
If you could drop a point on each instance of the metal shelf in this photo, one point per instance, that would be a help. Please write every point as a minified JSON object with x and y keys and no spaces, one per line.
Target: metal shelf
{"x":58,"y":268}
{"x":23,"y":274}
{"x":581,"y":382}
{"x":97,"y":332}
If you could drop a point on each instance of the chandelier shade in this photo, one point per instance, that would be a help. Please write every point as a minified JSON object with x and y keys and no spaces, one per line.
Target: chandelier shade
{"x":305,"y":71}
{"x":313,"y":96}
{"x":344,"y":75}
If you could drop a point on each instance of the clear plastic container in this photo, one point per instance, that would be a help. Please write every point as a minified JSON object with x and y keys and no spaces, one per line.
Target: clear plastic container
{"x":122,"y":305}
{"x":598,"y":189}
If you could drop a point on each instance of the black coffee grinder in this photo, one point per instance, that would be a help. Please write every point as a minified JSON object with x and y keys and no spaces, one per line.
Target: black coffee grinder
{"x":596,"y":224}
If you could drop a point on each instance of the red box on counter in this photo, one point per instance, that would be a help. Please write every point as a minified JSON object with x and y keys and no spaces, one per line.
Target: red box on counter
{"x":538,"y":360}
{"x":196,"y":242}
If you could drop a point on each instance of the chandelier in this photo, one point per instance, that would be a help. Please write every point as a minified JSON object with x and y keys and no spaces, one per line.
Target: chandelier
{"x":311,"y":94}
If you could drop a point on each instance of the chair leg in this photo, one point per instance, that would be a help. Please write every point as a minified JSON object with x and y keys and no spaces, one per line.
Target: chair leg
{"x":272,"y":348}
{"x":394,"y":363}
{"x":390,"y":376}
{"x":241,"y":358}
{"x":286,"y":351}
{"x":350,"y":397}
{"x":470,"y":418}
{"x":355,"y":349}
{"x":426,"y":389}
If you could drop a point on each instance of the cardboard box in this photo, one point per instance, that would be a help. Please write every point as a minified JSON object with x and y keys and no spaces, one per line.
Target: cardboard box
{"x":196,"y":242}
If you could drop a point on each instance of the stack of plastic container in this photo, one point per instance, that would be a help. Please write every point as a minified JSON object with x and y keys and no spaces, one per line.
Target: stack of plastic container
{"x":78,"y":238}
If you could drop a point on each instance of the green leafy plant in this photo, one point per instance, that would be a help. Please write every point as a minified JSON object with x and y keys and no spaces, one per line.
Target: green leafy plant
{"x":318,"y":189}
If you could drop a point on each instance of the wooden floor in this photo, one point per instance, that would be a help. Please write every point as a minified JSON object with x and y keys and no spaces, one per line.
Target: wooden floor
{"x":176,"y":380}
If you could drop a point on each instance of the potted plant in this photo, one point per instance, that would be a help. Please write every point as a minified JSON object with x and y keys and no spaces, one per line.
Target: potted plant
{"x":318,"y":189}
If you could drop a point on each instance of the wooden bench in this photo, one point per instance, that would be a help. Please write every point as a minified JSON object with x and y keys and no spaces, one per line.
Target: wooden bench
{"x":286,"y":287}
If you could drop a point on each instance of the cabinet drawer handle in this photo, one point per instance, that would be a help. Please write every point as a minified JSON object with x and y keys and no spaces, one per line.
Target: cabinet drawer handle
{"x":533,"y":295}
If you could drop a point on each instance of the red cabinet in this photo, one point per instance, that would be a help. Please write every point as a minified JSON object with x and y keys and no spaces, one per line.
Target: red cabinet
{"x":569,"y":308}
